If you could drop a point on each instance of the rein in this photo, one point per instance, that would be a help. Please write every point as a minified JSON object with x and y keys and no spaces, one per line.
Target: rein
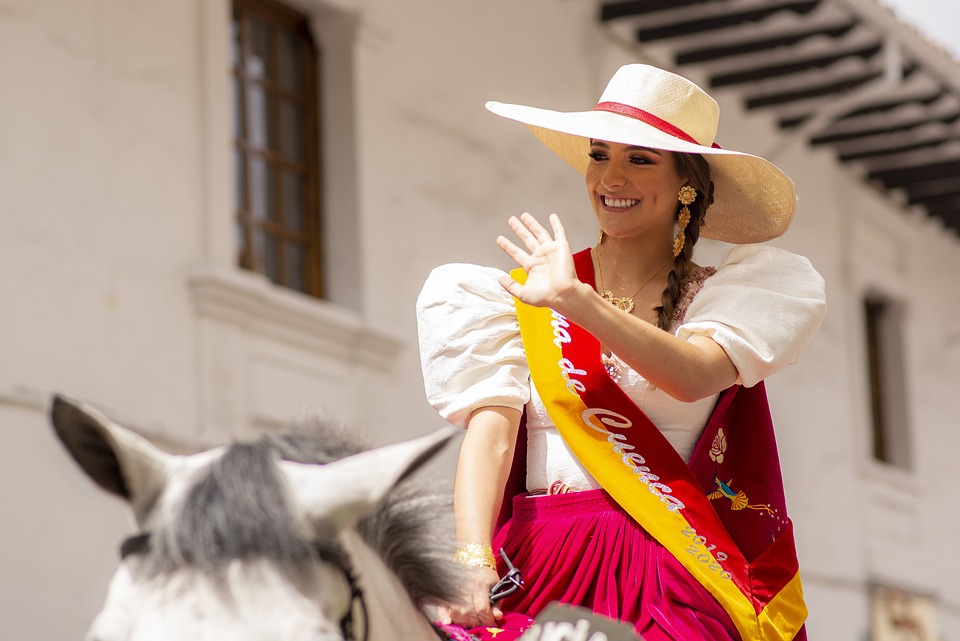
{"x":327,"y":552}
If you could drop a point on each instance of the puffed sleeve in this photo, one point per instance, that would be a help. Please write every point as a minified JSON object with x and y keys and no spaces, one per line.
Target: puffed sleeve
{"x":470,"y":347}
{"x":763,"y":306}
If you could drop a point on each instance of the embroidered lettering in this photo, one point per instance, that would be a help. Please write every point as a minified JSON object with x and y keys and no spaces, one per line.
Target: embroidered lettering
{"x":566,"y":369}
{"x":560,"y":325}
{"x":657,"y":488}
{"x":618,"y":445}
{"x":628,"y":457}
{"x":606,"y":417}
{"x":673,"y":503}
{"x":644,"y":474}
{"x":703,"y":553}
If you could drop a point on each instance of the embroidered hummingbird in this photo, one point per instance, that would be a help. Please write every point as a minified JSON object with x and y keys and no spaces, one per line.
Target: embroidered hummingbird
{"x":738,"y":500}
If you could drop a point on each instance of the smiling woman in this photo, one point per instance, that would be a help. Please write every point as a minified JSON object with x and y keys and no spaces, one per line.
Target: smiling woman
{"x":606,"y":377}
{"x":634,"y":192}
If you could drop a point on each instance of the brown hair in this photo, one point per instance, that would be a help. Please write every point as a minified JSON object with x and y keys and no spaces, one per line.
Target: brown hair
{"x":696,"y":170}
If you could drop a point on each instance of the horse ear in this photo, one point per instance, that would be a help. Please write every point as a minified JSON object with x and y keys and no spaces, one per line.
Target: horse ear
{"x":342,"y":492}
{"x":116,"y":458}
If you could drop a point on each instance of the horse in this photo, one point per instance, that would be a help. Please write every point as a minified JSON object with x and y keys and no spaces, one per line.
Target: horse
{"x":298,"y":536}
{"x":304,"y":535}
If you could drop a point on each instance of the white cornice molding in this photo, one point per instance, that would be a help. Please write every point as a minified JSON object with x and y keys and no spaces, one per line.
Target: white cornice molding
{"x":24,"y":397}
{"x":249,"y":301}
{"x":37,"y":400}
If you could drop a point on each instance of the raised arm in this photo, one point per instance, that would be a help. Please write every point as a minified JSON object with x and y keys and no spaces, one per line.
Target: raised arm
{"x":688,"y":370}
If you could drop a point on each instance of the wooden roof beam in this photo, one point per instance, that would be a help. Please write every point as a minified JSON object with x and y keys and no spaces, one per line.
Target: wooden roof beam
{"x":946,"y":209}
{"x":616,"y":10}
{"x":798,"y":65}
{"x":857,"y":42}
{"x":894,"y":100}
{"x":930,"y":155}
{"x":714,"y":20}
{"x":903,"y":177}
{"x":914,"y":87}
{"x":932,"y":190}
{"x":895,"y":143}
{"x":828,"y":110}
{"x":906,"y":118}
{"x":764,"y":41}
{"x":830,"y":87}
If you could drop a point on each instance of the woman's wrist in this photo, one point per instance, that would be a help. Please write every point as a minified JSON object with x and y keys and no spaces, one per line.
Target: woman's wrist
{"x":575,"y":301}
{"x":476,"y":555}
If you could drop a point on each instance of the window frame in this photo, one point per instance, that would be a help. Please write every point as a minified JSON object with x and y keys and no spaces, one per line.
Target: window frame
{"x":884,"y":344}
{"x":271,"y":226}
{"x":242,"y":319}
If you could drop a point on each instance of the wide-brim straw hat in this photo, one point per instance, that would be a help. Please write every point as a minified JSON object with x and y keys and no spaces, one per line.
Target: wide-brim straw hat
{"x":754,"y":201}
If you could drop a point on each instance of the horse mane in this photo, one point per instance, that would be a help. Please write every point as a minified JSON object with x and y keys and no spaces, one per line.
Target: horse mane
{"x":239,"y":508}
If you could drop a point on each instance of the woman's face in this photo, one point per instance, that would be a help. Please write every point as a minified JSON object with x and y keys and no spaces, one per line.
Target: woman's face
{"x":633,"y":189}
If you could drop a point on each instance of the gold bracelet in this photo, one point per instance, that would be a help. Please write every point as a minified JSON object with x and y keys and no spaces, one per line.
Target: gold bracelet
{"x":476,"y":555}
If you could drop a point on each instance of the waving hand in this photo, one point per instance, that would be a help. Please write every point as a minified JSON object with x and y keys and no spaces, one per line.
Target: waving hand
{"x":551,"y":276}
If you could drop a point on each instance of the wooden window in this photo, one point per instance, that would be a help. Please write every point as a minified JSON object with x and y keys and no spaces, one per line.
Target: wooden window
{"x":887,"y":381}
{"x":276,"y":161}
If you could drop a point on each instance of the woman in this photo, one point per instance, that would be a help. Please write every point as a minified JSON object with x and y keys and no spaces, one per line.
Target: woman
{"x":652,"y":491}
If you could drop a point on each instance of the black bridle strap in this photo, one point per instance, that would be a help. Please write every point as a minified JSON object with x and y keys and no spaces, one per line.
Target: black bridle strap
{"x":332,"y":553}
{"x":327,"y":551}
{"x":136,"y":544}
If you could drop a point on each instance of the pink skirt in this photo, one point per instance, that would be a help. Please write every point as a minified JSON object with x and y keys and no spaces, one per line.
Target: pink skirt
{"x":582,"y":549}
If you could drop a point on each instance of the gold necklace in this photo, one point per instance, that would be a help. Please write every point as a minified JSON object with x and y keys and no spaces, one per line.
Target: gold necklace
{"x":626,"y":303}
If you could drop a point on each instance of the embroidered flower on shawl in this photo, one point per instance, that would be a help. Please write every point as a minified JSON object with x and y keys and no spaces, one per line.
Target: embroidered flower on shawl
{"x":719,"y":446}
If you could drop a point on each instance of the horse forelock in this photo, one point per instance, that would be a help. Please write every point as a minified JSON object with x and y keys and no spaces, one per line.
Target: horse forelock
{"x":239,"y":507}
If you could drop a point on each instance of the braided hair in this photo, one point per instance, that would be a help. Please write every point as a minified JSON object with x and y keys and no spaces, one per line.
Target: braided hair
{"x":697,"y":172}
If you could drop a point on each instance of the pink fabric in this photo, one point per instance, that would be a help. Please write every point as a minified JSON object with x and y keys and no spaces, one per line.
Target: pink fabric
{"x":511,"y":628}
{"x":582,"y":549}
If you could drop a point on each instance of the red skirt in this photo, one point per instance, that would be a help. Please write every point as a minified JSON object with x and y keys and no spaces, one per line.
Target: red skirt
{"x":582,"y":549}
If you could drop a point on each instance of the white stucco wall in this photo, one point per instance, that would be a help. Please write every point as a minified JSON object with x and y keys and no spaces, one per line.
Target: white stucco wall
{"x":115,"y":231}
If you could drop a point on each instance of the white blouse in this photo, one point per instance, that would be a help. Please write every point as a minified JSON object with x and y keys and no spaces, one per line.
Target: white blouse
{"x":762,"y":305}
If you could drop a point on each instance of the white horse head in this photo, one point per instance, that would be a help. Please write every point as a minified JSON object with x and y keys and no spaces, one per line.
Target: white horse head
{"x":291,"y":538}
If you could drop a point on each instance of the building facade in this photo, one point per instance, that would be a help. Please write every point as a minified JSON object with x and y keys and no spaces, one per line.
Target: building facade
{"x":216,"y":216}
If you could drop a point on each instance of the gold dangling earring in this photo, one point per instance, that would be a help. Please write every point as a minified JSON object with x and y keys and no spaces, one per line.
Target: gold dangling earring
{"x":599,"y":242}
{"x":686,"y":196}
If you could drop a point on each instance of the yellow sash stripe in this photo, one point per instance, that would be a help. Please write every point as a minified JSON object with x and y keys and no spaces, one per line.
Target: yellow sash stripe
{"x":786,"y":612}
